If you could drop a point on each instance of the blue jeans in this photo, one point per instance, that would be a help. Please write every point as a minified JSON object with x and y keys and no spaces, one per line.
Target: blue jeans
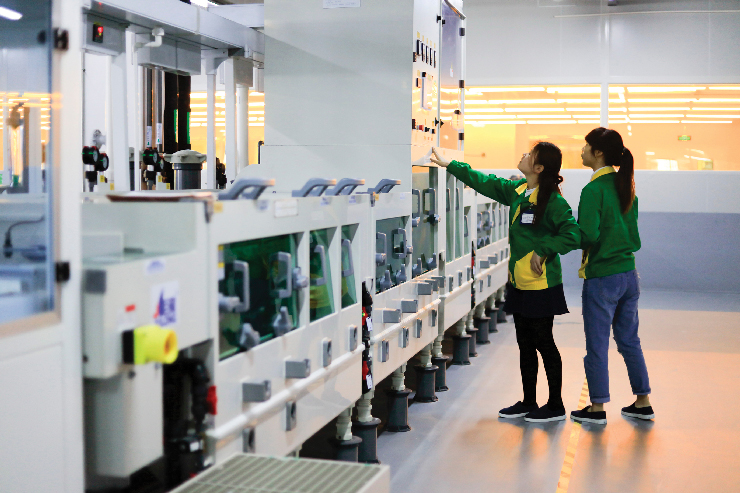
{"x":608,"y":302}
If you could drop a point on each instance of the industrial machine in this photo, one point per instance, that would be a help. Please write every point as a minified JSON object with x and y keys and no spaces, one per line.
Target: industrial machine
{"x":230,"y":310}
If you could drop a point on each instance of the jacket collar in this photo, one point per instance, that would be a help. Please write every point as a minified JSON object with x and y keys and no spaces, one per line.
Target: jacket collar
{"x":521,"y":189}
{"x":603,"y":171}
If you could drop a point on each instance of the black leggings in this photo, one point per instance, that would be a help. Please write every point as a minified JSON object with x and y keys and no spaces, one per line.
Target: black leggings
{"x":532,"y":335}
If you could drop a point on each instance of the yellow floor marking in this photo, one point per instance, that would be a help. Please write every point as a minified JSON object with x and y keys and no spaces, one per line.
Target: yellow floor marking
{"x":570,"y":451}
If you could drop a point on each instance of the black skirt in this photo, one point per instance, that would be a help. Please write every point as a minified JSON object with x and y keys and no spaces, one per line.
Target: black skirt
{"x":536,"y":303}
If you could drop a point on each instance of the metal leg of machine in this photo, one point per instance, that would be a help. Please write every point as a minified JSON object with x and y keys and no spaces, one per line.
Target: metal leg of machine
{"x":440,"y":361}
{"x":398,"y":403}
{"x":366,"y":428}
{"x":461,"y":344}
{"x":501,"y":316}
{"x":492,"y":313}
{"x":481,"y":321}
{"x":346,"y":445}
{"x":426,"y":377}
{"x":473,"y":332}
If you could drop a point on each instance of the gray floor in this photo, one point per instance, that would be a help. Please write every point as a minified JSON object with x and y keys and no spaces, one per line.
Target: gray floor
{"x":693,"y":356}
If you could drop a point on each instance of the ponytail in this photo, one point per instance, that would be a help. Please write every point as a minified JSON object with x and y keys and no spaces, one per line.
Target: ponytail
{"x":626,"y":180}
{"x":616,"y":155}
{"x":551,"y":158}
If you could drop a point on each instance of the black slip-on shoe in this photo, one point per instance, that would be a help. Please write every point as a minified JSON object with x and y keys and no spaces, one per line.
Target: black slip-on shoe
{"x":545,"y":415}
{"x":518,"y":410}
{"x":638,"y":412}
{"x":586,"y":416}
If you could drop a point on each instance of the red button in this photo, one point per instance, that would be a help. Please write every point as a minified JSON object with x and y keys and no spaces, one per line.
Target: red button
{"x":212,"y":400}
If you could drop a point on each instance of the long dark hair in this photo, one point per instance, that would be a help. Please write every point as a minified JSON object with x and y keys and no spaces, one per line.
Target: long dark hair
{"x":550,"y":157}
{"x":615,"y":154}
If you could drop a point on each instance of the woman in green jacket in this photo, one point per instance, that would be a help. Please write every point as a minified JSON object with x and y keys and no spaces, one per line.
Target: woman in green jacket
{"x":542,"y":227}
{"x":607,"y":214}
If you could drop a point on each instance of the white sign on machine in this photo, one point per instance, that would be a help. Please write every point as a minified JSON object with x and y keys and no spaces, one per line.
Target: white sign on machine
{"x":165,"y":303}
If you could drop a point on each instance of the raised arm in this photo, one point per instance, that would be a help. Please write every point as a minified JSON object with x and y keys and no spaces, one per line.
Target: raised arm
{"x":499,"y":189}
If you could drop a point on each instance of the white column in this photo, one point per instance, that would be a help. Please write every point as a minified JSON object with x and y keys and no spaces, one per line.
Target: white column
{"x":133,"y":91}
{"x":118,"y":122}
{"x":230,"y":154}
{"x":242,"y":128}
{"x":211,"y":131}
{"x":604,"y":108}
{"x":605,"y":42}
{"x":33,"y":127}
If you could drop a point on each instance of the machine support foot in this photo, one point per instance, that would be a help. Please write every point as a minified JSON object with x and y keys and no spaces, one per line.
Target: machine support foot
{"x":440,"y":377}
{"x":470,"y":329}
{"x":492,"y":314}
{"x":347,"y":450}
{"x":461,"y":350}
{"x":482,"y":325}
{"x":368,"y":432}
{"x":425,"y":386}
{"x":398,"y":410}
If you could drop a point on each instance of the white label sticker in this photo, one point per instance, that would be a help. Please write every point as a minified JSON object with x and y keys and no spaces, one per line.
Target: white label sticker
{"x":164,"y":303}
{"x":369,"y":324}
{"x":148,"y":135}
{"x":159,"y":133}
{"x":369,"y":381}
{"x":286,"y":208}
{"x":341,"y":4}
{"x":127,"y":317}
{"x":527,"y":218}
{"x":154,"y":266}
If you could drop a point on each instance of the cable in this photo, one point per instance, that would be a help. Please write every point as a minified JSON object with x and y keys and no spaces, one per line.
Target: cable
{"x":8,"y":245}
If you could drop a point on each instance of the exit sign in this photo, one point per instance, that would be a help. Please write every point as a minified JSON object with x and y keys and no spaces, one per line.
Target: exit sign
{"x":684,"y":137}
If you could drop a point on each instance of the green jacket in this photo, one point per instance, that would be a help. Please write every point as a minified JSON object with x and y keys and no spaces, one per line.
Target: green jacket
{"x":608,"y":237}
{"x":557,"y":233}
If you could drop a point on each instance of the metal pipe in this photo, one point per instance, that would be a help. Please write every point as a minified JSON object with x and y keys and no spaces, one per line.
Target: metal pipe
{"x":147,"y":94}
{"x":183,"y":112}
{"x":242,"y":127}
{"x":158,"y":110}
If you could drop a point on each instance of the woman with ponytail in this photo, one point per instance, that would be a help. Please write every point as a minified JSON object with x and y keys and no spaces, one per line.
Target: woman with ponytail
{"x":542,"y":228}
{"x":607,"y":215}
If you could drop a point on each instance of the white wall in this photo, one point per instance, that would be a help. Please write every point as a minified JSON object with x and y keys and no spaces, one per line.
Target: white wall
{"x":689,"y":220}
{"x":533,"y":42}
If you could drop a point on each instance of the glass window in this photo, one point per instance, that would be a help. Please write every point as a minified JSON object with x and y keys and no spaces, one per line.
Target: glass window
{"x":199,"y":123}
{"x":27,"y":262}
{"x":451,"y":107}
{"x":322,"y":295}
{"x":267,"y":306}
{"x":502,"y":123}
{"x":390,"y":258}
{"x":349,"y":290}
{"x":679,"y":127}
{"x":667,"y":127}
{"x":424,"y":231}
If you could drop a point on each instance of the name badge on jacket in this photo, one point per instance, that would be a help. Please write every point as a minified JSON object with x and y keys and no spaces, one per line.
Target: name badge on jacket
{"x":527,"y":217}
